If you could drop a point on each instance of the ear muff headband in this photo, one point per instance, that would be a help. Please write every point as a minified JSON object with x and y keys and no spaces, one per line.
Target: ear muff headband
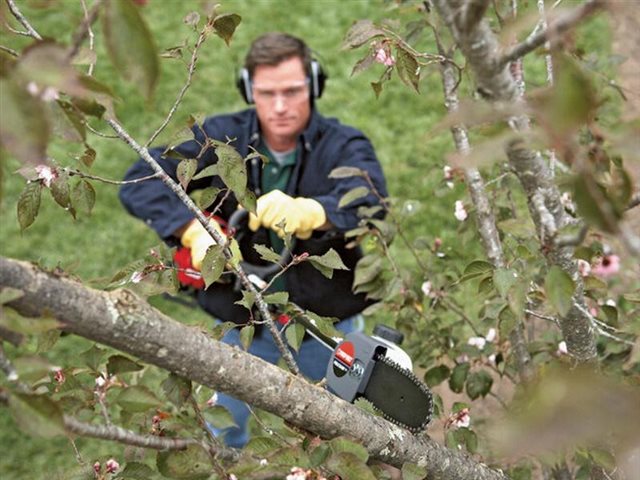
{"x":317,"y":80}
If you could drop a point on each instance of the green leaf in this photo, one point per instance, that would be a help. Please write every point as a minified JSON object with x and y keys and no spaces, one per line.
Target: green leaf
{"x":411,"y":471}
{"x":246,"y":336}
{"x":518,"y":227}
{"x":121,"y":364}
{"x":459,"y":376}
{"x":177,"y":389}
{"x":349,"y":466}
{"x":603,"y":458}
{"x":220,"y":329}
{"x":295,"y":334}
{"x":12,"y":320}
{"x":408,"y":69}
{"x":437,"y":375}
{"x":479,"y":384}
{"x":213,"y":264}
{"x":465,"y":437}
{"x":68,"y":122}
{"x":331,"y":259}
{"x":594,"y":204}
{"x":517,"y":298}
{"x":37,"y":415}
{"x":343,"y":444}
{"x":503,"y":279}
{"x":130,"y":45}
{"x":367,"y":269}
{"x":247,"y":300}
{"x":225,"y":25}
{"x":360,"y":33}
{"x":262,"y":446}
{"x":29,"y":204}
{"x":506,"y":322}
{"x":88,"y":157}
{"x":9,"y":294}
{"x":209,"y":171}
{"x":278,"y":298}
{"x":61,"y":192}
{"x":266,"y":253}
{"x":137,"y":399}
{"x":346,"y":172}
{"x":193,"y":463}
{"x":83,"y":197}
{"x":24,"y":124}
{"x":93,"y":357}
{"x":353,"y":195}
{"x":231,"y":168}
{"x":185,"y":171}
{"x":137,"y":471}
{"x":206,"y":197}
{"x":219,"y":417}
{"x":476,"y":269}
{"x":32,"y":368}
{"x":559,"y":288}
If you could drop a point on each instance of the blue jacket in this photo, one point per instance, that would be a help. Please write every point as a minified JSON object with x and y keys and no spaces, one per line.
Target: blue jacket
{"x":325,"y":144}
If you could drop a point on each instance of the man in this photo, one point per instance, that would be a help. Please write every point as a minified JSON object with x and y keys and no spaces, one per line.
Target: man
{"x":294,"y":192}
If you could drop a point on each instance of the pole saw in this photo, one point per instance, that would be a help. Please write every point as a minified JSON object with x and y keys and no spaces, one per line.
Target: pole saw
{"x":372,"y":367}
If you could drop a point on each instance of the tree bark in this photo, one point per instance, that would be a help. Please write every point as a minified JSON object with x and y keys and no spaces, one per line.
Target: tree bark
{"x":127,"y":323}
{"x":482,"y":50}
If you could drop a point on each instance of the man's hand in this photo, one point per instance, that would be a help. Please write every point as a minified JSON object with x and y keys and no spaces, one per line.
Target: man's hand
{"x":301,"y":216}
{"x":198,"y":240}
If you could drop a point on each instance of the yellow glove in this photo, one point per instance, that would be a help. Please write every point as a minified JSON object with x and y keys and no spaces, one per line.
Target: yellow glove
{"x":196,"y":238}
{"x":300,"y":215}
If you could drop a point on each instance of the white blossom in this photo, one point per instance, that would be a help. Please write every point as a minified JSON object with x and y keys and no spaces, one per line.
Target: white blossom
{"x":479,"y":342}
{"x":491,"y":335}
{"x":460,"y":212}
{"x":584,"y":267}
{"x":136,"y":277}
{"x":562,"y":348}
{"x":46,"y":174}
{"x":426,"y":288}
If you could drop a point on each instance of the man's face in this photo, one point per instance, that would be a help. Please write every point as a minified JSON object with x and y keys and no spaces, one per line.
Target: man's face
{"x":281,"y":95}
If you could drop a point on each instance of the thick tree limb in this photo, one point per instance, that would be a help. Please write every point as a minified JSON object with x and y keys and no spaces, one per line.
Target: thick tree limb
{"x":123,"y":321}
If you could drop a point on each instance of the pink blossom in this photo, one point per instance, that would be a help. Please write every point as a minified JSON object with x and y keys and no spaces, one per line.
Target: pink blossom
{"x":584,"y":267}
{"x":58,"y":376}
{"x":448,"y":172}
{"x":297,"y":473}
{"x":97,"y":467}
{"x":112,"y":465}
{"x":264,"y":462}
{"x":46,"y":174}
{"x":459,"y":419}
{"x":606,"y":266}
{"x":437,"y":243}
{"x":384,"y":57}
{"x":460,"y":212}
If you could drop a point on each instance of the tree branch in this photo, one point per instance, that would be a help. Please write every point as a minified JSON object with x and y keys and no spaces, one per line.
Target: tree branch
{"x":217,"y":237}
{"x":23,"y":21}
{"x":554,"y":30}
{"x":123,"y":321}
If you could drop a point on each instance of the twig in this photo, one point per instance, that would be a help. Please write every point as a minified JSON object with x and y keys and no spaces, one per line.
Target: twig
{"x":555,"y":29}
{"x":203,"y":424}
{"x":10,"y":51}
{"x":100,"y":134}
{"x":119,"y":434}
{"x":16,"y":31}
{"x":78,"y":173}
{"x":192,"y":67}
{"x":597,"y":325}
{"x":89,"y":18}
{"x":549,"y":318}
{"x":263,"y":308}
{"x":23,"y":21}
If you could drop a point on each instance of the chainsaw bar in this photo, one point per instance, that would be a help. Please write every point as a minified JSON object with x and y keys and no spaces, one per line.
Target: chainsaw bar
{"x":399,"y":396}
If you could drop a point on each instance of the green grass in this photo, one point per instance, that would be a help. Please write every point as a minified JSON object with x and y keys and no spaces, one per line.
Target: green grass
{"x":95,"y":247}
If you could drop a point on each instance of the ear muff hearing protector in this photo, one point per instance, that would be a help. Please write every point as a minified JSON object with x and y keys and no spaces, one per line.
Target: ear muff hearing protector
{"x":317,"y":80}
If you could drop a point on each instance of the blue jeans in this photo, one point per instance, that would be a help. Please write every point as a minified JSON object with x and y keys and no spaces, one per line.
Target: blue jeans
{"x":312,"y":359}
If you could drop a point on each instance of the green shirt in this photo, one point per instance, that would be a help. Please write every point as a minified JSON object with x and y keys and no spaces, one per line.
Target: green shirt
{"x":275,"y":176}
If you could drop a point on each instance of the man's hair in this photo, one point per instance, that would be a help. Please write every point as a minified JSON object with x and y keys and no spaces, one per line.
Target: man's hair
{"x":274,"y":48}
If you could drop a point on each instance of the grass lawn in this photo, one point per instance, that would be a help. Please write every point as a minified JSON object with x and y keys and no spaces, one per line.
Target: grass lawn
{"x":93,"y":248}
